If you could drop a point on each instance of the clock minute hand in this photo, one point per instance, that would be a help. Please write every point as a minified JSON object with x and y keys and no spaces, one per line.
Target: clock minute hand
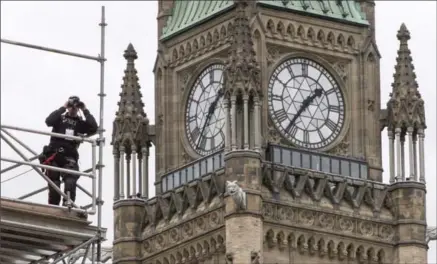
{"x":211,"y":110}
{"x":317,"y":93}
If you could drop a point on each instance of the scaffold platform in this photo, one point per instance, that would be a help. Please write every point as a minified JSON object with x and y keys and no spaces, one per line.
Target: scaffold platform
{"x":36,"y":233}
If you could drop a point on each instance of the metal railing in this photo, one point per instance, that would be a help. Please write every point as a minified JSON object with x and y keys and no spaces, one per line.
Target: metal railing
{"x":37,"y":166}
{"x":192,"y":171}
{"x":326,"y":163}
{"x":97,"y":165}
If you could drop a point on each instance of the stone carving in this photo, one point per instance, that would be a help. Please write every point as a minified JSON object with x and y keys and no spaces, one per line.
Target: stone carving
{"x":342,"y":149}
{"x":339,"y":247}
{"x":192,"y":252}
{"x":371,"y":105}
{"x":341,"y":70}
{"x":327,"y":222}
{"x":183,"y":80}
{"x":297,"y":182}
{"x":254,"y":257}
{"x":163,"y":239}
{"x":431,"y":233}
{"x":237,"y":194}
{"x":175,"y":206}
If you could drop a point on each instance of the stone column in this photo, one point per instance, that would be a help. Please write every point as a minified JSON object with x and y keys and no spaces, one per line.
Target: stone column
{"x":246,"y":121}
{"x":116,"y":174}
{"x":411,"y":153}
{"x":134,"y":171}
{"x":128,"y":190}
{"x":415,"y":154}
{"x":257,"y":127}
{"x":398,"y":153}
{"x":145,"y":174}
{"x":227,"y":125}
{"x":403,"y":158}
{"x":391,"y":153}
{"x":421,"y":135}
{"x":122,"y":160}
{"x":233,"y":122}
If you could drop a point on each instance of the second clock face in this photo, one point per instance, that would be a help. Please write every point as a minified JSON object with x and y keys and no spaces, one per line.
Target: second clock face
{"x":306,"y":103}
{"x":205,"y":116}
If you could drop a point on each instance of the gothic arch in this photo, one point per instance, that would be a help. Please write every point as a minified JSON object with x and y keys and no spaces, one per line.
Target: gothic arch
{"x":291,"y":30}
{"x":311,"y":35}
{"x":321,"y":36}
{"x":331,"y":38}
{"x":216,"y":35}
{"x":202,"y":42}
{"x":175,"y":55}
{"x":341,"y":40}
{"x":280,"y":28}
{"x":208,"y":38}
{"x":223,"y":32}
{"x":195,"y":45}
{"x":351,"y":42}
{"x":181,"y":51}
{"x":270,"y":26}
{"x":188,"y":48}
{"x":301,"y":32}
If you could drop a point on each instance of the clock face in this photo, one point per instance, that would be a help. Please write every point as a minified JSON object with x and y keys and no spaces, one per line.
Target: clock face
{"x":306,"y":103}
{"x":205,"y":116}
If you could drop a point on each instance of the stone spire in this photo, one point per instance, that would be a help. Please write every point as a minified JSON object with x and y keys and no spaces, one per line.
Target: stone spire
{"x":130,"y":135}
{"x":242,"y":72}
{"x":405,"y":116}
{"x":242,"y":87}
{"x":405,"y":107}
{"x":130,"y":125}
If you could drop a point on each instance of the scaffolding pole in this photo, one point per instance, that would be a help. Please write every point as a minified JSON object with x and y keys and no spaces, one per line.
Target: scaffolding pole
{"x":97,"y":165}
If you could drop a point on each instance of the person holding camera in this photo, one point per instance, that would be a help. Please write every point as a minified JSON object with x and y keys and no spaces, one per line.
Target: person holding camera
{"x":62,"y":152}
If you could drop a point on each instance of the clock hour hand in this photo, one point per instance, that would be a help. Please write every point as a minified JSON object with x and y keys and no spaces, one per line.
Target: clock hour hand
{"x":317,"y":93}
{"x":211,"y":110}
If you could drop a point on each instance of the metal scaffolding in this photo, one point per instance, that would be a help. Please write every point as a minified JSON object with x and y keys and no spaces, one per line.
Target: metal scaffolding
{"x":81,"y":240}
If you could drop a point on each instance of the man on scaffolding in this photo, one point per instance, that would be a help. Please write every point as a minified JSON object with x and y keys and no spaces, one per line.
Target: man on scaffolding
{"x":62,"y":152}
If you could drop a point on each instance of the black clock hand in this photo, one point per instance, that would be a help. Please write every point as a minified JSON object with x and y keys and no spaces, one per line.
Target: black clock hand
{"x":317,"y":93}
{"x":211,"y":110}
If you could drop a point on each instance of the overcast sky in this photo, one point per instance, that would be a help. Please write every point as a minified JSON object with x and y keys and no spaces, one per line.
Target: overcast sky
{"x":34,"y":83}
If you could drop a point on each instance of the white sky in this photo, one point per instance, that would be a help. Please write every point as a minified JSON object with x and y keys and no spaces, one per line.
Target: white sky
{"x":34,"y":83}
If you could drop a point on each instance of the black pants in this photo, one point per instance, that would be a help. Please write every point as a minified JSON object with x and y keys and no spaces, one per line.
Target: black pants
{"x":70,"y":181}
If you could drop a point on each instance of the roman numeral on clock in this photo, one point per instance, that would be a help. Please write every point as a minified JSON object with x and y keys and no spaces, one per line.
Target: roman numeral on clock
{"x":331,"y":125}
{"x":281,"y":115}
{"x":334,"y":108}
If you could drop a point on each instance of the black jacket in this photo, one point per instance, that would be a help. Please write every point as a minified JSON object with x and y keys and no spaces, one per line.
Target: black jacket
{"x":65,"y":124}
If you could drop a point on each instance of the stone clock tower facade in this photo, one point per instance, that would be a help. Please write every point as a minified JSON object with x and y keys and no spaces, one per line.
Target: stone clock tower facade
{"x":268,"y":140}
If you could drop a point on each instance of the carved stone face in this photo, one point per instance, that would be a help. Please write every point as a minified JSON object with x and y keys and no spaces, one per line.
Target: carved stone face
{"x":232,"y":187}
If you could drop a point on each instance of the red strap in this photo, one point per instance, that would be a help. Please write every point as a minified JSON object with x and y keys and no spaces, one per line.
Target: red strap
{"x":49,"y":159}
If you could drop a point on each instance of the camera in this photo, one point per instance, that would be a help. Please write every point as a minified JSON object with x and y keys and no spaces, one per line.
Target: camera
{"x":75,"y":102}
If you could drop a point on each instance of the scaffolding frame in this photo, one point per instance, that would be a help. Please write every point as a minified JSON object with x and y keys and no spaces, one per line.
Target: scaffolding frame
{"x":97,"y":165}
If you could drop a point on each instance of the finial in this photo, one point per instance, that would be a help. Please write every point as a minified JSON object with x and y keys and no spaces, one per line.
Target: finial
{"x":130,"y":53}
{"x":403,"y":33}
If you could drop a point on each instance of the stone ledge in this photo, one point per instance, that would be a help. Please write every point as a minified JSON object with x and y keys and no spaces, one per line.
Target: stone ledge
{"x":407,"y":185}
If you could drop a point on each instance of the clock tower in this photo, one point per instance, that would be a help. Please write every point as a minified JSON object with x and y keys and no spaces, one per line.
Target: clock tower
{"x":268,"y":140}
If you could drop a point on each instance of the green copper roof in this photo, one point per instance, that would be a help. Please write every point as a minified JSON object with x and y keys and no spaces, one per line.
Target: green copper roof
{"x":346,"y":10}
{"x":186,"y":13}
